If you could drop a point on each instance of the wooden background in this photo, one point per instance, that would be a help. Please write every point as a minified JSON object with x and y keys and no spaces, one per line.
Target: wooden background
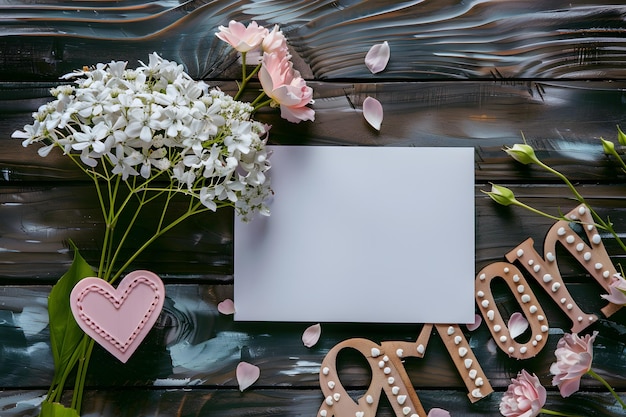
{"x":462,"y":73}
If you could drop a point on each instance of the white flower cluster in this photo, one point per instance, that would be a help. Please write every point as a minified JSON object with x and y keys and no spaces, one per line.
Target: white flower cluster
{"x":156,"y":119}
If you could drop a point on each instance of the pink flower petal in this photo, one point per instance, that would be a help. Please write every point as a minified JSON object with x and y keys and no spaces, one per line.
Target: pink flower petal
{"x":226,"y":307}
{"x":517,"y":324}
{"x":247,"y":374}
{"x":438,"y":412}
{"x":477,"y":322}
{"x":373,"y":112}
{"x":491,"y":346}
{"x":311,"y":335}
{"x":377,"y":57}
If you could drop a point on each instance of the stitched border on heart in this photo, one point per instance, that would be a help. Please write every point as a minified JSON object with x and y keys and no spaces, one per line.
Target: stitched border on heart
{"x":118,"y":319}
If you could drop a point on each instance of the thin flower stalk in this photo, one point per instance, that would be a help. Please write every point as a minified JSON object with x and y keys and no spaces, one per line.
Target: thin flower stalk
{"x":603,"y":381}
{"x":557,"y":413}
{"x":525,"y":154}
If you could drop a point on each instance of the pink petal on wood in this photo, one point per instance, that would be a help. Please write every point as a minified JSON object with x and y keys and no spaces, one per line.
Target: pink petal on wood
{"x":311,"y":335}
{"x":226,"y":307}
{"x":517,"y":324}
{"x":477,"y":321}
{"x":377,"y":57}
{"x":247,"y":374}
{"x":373,"y":112}
{"x":438,"y":412}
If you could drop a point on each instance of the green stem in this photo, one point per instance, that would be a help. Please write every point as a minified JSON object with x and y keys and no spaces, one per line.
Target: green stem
{"x":536,"y":211}
{"x":259,"y":98}
{"x":619,"y":158}
{"x":600,"y":223}
{"x":79,"y":386}
{"x":556,"y":413}
{"x":196,"y":209}
{"x":57,"y":391}
{"x":245,"y":78}
{"x":110,"y":266}
{"x":606,"y":384}
{"x":263,"y":103}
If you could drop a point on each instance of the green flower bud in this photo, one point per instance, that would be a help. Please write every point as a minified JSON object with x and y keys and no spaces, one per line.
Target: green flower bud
{"x":522,"y":153}
{"x":608,"y":147}
{"x":501,"y":195}
{"x":621,"y":136}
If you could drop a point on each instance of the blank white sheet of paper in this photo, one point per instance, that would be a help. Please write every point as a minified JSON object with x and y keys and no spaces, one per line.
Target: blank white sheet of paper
{"x":361,"y":234}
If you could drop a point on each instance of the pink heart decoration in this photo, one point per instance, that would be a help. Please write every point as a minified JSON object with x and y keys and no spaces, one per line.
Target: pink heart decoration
{"x":118,"y":319}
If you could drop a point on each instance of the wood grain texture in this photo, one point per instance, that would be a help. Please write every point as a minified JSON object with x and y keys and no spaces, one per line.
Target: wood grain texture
{"x":477,"y":73}
{"x":564,"y":125}
{"x":430,"y":39}
{"x":269,"y":402}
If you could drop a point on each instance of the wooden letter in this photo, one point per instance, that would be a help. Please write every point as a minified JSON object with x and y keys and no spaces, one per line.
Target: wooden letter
{"x":546,"y":272}
{"x":388,"y":376}
{"x":528,"y":304}
{"x":467,"y":365}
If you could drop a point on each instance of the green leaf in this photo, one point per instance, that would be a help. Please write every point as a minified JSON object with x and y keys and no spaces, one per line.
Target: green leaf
{"x":65,"y":335}
{"x":56,"y":410}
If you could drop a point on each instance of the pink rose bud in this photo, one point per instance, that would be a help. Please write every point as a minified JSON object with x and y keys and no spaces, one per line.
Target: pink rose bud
{"x":524,"y":398}
{"x":574,"y":355}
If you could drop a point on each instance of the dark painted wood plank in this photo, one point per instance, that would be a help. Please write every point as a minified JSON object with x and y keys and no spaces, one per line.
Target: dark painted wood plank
{"x":278,"y":403}
{"x":564,"y":125}
{"x":193,"y":345}
{"x":449,"y":39}
{"x":38,"y":223}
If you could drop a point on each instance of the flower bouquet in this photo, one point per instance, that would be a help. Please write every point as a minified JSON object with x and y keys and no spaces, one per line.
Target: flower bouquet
{"x":147,"y":135}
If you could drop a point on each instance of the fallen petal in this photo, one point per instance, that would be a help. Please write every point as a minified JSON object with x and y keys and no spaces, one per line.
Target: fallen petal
{"x":438,"y":412}
{"x":311,"y":335}
{"x":226,"y":307}
{"x":517,"y":324}
{"x":477,"y":321}
{"x":377,"y":57}
{"x":491,"y":346}
{"x":373,"y":112}
{"x":247,"y":374}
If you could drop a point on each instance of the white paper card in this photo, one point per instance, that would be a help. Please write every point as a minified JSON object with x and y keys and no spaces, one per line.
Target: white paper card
{"x":361,"y":234}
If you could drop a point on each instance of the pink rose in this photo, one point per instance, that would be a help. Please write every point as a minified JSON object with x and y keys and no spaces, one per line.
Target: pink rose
{"x":275,"y":41}
{"x":524,"y":398}
{"x":286,"y":88}
{"x":240,"y":37}
{"x":617,"y":290}
{"x":573,"y":360}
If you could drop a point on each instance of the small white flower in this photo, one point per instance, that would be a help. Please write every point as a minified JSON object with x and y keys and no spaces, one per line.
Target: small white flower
{"x":156,"y":120}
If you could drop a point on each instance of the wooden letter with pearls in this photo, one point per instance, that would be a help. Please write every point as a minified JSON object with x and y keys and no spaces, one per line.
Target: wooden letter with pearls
{"x":546,"y":272}
{"x":385,"y":360}
{"x":388,"y":376}
{"x":528,"y":303}
{"x":467,"y":365}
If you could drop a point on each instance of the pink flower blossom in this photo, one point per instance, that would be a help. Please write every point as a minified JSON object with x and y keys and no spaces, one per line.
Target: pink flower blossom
{"x":240,"y":37}
{"x":276,"y":42}
{"x":286,"y":88}
{"x":574,"y":355}
{"x":524,"y":398}
{"x":617,"y":290}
